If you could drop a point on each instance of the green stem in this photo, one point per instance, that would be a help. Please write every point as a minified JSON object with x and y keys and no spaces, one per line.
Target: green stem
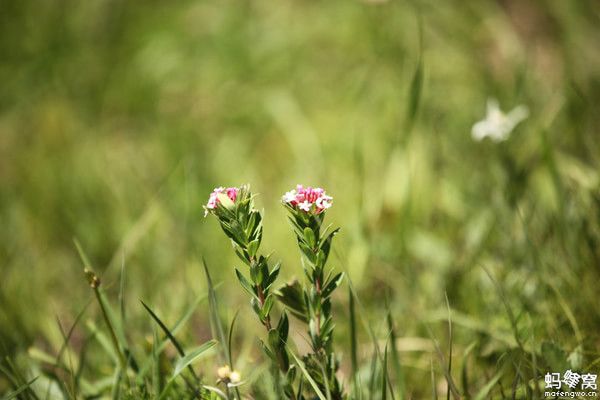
{"x":113,"y":335}
{"x":261,"y":295}
{"x":318,"y":288}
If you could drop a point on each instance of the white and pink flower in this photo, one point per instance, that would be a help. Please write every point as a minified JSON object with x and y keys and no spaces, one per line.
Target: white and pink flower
{"x":308,"y":199}
{"x":213,"y":199}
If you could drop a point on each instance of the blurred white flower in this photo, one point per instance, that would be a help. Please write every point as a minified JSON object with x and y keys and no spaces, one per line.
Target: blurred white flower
{"x":229,"y":376}
{"x":235,"y":377}
{"x":224,"y":372}
{"x":498,"y":125}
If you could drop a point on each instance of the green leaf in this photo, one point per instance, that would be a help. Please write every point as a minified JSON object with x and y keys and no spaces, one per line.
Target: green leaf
{"x":113,"y":321}
{"x":326,"y":244}
{"x":253,"y":247}
{"x":308,"y":252}
{"x":267,"y":306}
{"x":268,"y":351}
{"x":309,"y":378}
{"x":293,"y":299}
{"x":245,"y":283}
{"x":216,"y":324}
{"x":283,"y":327}
{"x":274,"y":339}
{"x":19,"y":390}
{"x":384,"y":374}
{"x":163,"y":344}
{"x":464,"y":373}
{"x":215,"y":391}
{"x":175,"y":343}
{"x":451,"y":385}
{"x":156,"y":376}
{"x":242,"y":256}
{"x":192,"y":357}
{"x":434,"y":395}
{"x":416,"y":86}
{"x":186,"y":362}
{"x":309,"y":237}
{"x":353,"y":334}
{"x":256,"y":307}
{"x":230,"y":339}
{"x":485,"y":391}
{"x":395,"y":355}
{"x":332,"y":285}
{"x":273,"y":274}
{"x":165,"y":329}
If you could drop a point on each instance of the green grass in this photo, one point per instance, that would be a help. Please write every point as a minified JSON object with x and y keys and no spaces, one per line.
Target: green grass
{"x":118,"y":118}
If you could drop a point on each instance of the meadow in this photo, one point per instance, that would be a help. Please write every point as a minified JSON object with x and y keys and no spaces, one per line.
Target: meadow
{"x":471,"y":267}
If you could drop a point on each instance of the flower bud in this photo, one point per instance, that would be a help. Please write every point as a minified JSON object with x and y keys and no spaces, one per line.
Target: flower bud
{"x":223,"y":196}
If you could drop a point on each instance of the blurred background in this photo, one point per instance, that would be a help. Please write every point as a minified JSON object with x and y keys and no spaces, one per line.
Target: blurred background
{"x":117,"y":119}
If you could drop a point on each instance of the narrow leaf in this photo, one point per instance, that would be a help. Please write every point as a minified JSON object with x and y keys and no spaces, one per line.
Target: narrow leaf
{"x":192,"y":356}
{"x":309,"y":378}
{"x":21,"y":389}
{"x":245,"y":283}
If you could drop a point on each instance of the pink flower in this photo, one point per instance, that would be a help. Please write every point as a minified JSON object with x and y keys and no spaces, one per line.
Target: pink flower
{"x":290,"y":197}
{"x":232,"y":193}
{"x":308,"y":199}
{"x":324,"y":202}
{"x":305,"y":206}
{"x":213,"y":199}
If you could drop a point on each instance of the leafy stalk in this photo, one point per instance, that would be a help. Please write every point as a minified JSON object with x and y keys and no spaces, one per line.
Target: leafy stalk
{"x":315,"y":244}
{"x":242,"y":223}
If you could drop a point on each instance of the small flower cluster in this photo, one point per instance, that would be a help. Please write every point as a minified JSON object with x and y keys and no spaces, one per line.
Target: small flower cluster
{"x":228,"y":376}
{"x":214,"y":198}
{"x":309,"y":200}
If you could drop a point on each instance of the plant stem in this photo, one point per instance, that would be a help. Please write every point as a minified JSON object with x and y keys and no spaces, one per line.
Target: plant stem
{"x":318,"y":287}
{"x":261,"y":295}
{"x":261,"y":298}
{"x":113,"y":335}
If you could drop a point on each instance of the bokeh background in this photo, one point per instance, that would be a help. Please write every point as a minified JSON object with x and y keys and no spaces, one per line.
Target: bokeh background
{"x":117,"y":119}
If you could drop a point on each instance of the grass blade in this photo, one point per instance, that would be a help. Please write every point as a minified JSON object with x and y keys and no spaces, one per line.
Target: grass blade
{"x":229,"y":355}
{"x":192,"y":356}
{"x":396,"y":356}
{"x":122,"y":292}
{"x":186,"y":362}
{"x":416,"y":85}
{"x":163,"y":343}
{"x":384,"y":374}
{"x":353,"y":338}
{"x":70,"y":369}
{"x":433,"y":386}
{"x":485,"y":391}
{"x":213,"y":308}
{"x":156,"y":376}
{"x":309,"y":378}
{"x":116,"y":333}
{"x":168,"y":333}
{"x":465,"y":370}
{"x":19,"y":390}
{"x":449,"y":344}
{"x":451,"y":385}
